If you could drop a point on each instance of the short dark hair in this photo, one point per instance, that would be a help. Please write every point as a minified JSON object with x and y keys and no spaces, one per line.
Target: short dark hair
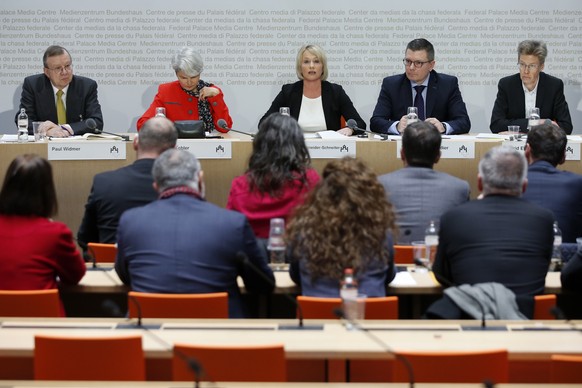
{"x":421,"y":142}
{"x":28,"y":188}
{"x":53,"y":51}
{"x":422,"y":44}
{"x":279,"y":155}
{"x":547,"y":142}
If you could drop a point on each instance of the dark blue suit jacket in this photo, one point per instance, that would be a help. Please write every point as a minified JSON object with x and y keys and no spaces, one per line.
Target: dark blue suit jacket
{"x":571,"y":276}
{"x":39,"y":101}
{"x":443,"y":102}
{"x":186,"y":245}
{"x":560,"y":192}
{"x":509,"y":107}
{"x":114,"y":192}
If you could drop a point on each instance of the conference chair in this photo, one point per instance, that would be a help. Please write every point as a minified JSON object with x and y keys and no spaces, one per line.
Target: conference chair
{"x":403,"y":254}
{"x":454,"y":367}
{"x":566,"y":369}
{"x":323,"y":308}
{"x":213,"y":305}
{"x":230,"y":363}
{"x":30,"y":303}
{"x":102,"y":253}
{"x":88,"y":358}
{"x":543,"y":305}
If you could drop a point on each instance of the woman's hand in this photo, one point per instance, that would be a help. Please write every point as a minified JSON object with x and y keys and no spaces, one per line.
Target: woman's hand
{"x":208,"y":91}
{"x":346,"y":131}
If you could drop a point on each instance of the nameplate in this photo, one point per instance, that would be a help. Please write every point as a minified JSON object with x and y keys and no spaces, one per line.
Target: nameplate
{"x":86,"y":150}
{"x":206,"y":148}
{"x":450,"y":149}
{"x":331,"y":149}
{"x":572,"y":148}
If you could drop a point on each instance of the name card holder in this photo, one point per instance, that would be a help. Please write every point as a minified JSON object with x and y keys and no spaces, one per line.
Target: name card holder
{"x":207,"y":148}
{"x":331,"y":149}
{"x":86,"y":150}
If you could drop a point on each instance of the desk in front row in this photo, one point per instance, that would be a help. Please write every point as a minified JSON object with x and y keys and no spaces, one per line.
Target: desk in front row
{"x":528,"y":343}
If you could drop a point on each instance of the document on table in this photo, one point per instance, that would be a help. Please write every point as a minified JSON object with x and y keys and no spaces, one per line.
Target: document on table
{"x":403,"y":278}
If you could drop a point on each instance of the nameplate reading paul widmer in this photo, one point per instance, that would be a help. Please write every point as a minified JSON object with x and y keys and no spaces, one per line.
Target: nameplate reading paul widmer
{"x":86,"y":150}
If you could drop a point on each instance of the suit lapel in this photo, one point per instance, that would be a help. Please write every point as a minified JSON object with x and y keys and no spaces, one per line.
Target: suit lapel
{"x":47,"y":94}
{"x":431,"y":93}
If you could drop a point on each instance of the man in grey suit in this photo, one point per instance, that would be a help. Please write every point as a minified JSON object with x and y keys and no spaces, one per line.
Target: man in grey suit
{"x":418,"y":193}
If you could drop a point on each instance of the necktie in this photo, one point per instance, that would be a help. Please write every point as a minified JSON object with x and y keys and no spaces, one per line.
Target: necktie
{"x":61,"y":112}
{"x":419,"y":102}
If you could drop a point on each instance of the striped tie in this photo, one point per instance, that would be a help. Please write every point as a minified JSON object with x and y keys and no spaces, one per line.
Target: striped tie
{"x":61,"y":112}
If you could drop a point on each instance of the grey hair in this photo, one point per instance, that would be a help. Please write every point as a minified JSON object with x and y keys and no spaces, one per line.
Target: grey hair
{"x":503,"y":169}
{"x":175,"y":168}
{"x":188,"y":61}
{"x":533,"y":47}
{"x":157,"y":135}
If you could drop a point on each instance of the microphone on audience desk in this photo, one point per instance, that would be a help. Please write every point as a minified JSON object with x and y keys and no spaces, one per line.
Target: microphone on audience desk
{"x":448,"y":283}
{"x":353,"y":125}
{"x":244,"y":260}
{"x":222,"y":124}
{"x":92,"y":125}
{"x":194,"y":365}
{"x":356,"y":325}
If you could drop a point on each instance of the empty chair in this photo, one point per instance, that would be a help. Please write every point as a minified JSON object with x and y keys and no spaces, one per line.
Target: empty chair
{"x":455,"y":367}
{"x":33,"y":303}
{"x":102,"y":253}
{"x":231,"y":363}
{"x":403,"y":254}
{"x":212,"y":305}
{"x":88,"y":358}
{"x":543,"y":305}
{"x":566,"y":369}
{"x":323,"y":308}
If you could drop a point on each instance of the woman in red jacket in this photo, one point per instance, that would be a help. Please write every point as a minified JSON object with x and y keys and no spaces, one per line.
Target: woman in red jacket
{"x":35,"y":249}
{"x":189,"y":98}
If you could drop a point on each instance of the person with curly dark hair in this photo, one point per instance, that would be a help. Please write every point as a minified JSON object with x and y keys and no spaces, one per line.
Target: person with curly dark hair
{"x":278,"y":177}
{"x":345,"y":222}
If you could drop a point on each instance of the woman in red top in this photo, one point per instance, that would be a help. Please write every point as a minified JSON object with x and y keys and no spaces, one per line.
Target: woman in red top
{"x":35,"y":249}
{"x":278,"y":177}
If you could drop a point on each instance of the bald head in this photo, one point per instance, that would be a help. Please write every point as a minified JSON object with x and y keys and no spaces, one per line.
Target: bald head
{"x":157,"y":135}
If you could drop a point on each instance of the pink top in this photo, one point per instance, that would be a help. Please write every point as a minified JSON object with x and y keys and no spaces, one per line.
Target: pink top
{"x":259,"y":209}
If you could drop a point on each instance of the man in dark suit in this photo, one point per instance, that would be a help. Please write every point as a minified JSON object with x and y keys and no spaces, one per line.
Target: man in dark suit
{"x":530,"y":88}
{"x":500,"y":238}
{"x":437,"y":96}
{"x":418,"y":193}
{"x":114,"y":192}
{"x":183,"y":244}
{"x":558,"y":191}
{"x":62,"y":100}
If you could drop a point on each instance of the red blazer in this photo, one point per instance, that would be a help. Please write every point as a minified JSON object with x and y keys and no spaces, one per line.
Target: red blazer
{"x":182,"y":106}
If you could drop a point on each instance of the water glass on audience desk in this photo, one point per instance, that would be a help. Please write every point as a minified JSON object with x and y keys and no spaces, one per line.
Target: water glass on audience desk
{"x":276,"y":244}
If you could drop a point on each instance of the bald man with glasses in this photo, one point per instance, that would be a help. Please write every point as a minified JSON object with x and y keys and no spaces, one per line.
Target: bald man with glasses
{"x":61,"y":100}
{"x":436,"y":95}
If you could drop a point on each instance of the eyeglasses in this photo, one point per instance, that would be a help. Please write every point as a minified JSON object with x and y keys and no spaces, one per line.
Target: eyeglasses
{"x":417,"y":64}
{"x":530,"y":67}
{"x":62,"y":69}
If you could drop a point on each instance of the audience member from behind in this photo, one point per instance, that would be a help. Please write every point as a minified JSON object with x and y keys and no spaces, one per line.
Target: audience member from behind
{"x":183,"y":244}
{"x":436,"y":95}
{"x":316,"y":103}
{"x":530,"y":88}
{"x":37,"y":253}
{"x":189,"y":98}
{"x":345,"y":222}
{"x":501,"y":238}
{"x":278,"y":176}
{"x":114,"y":192}
{"x":62,"y":100}
{"x":418,"y":193}
{"x":571,"y":276}
{"x":558,"y":191}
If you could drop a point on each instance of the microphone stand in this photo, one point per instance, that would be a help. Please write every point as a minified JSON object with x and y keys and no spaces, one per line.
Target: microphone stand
{"x":222,"y":124}
{"x":351,"y":124}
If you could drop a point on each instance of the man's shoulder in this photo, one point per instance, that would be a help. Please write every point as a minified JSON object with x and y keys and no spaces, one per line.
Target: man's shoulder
{"x":442,"y":78}
{"x":83,"y":80}
{"x":510,"y":79}
{"x":394,"y":79}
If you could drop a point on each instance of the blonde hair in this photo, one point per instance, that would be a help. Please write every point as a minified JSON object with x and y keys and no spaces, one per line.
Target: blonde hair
{"x":314,"y":50}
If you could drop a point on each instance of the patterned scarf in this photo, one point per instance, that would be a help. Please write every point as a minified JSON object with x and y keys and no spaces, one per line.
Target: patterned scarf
{"x":203,"y":106}
{"x":180,"y":190}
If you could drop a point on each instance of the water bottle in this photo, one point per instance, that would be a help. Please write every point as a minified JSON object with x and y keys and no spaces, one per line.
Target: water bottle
{"x":556,"y":261}
{"x":349,"y":295}
{"x":431,"y":241}
{"x":160,"y":112}
{"x":22,"y":126}
{"x":276,"y":244}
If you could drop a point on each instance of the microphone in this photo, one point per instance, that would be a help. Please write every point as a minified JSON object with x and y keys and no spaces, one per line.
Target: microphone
{"x":355,"y":324}
{"x":448,"y":283}
{"x":353,"y":125}
{"x":244,"y":260}
{"x":194,"y":365}
{"x":222,"y":124}
{"x":92,"y":125}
